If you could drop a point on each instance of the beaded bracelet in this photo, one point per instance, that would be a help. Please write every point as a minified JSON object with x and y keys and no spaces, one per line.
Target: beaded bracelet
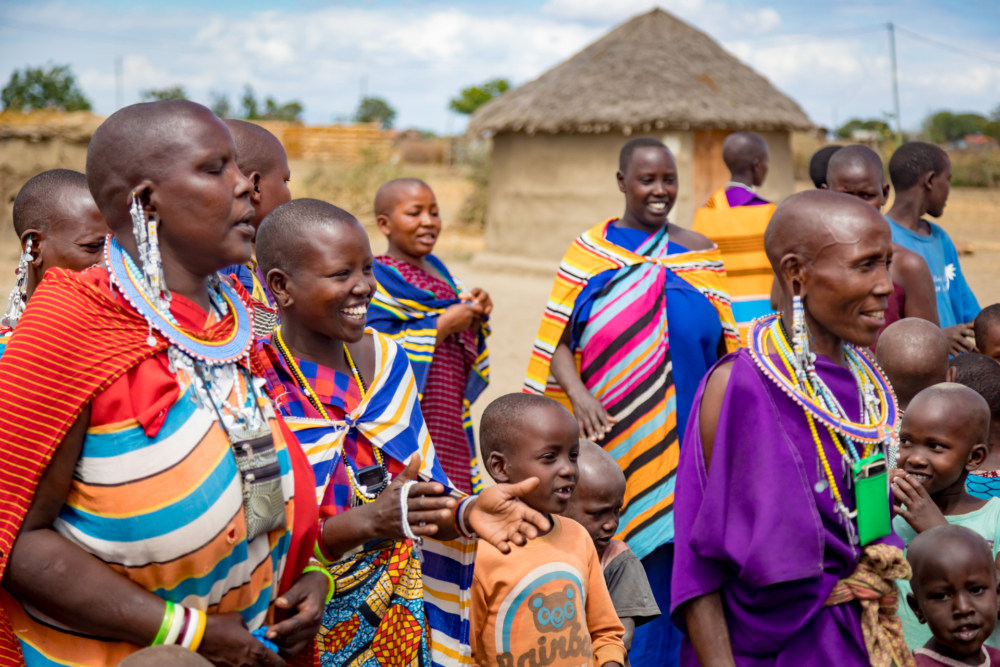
{"x":333,"y":583}
{"x":460,"y":509}
{"x":404,"y":510}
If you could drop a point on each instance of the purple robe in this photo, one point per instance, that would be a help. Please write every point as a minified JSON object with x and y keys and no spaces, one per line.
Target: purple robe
{"x":737,"y":196}
{"x":756,"y":530}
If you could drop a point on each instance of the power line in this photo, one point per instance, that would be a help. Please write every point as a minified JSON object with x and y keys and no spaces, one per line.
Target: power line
{"x":949,"y":47}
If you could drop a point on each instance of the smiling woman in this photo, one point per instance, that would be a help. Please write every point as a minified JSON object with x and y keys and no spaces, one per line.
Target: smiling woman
{"x":639,"y":312}
{"x":781,"y":488}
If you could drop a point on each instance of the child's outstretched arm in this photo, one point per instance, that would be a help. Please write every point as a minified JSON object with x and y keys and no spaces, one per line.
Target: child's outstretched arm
{"x":606,"y":631}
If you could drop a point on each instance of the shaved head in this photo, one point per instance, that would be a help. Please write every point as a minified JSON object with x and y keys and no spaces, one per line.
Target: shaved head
{"x":137,"y":143}
{"x":256,"y":148}
{"x":853,"y":159}
{"x":913,"y":353}
{"x":598,"y":469}
{"x":969,"y":410}
{"x":741,"y":150}
{"x":819,"y":162}
{"x":810,"y":221}
{"x":501,"y":427}
{"x":37,"y":198}
{"x":940,"y":547}
{"x":388,"y":194}
{"x":287,"y":232}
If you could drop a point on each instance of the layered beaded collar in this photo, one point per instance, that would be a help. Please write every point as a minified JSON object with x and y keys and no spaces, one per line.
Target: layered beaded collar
{"x":126,"y":276}
{"x":879,"y":430}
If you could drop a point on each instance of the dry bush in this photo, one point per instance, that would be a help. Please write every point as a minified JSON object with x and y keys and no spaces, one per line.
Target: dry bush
{"x":975,"y":168}
{"x":473,"y":212}
{"x":423,"y":151}
{"x":351,"y":186}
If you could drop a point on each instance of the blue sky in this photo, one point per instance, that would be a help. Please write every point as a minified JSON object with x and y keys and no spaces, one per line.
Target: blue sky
{"x":831,"y":57}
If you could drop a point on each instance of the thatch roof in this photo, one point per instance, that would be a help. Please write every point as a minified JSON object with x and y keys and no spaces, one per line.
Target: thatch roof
{"x":653,"y":72}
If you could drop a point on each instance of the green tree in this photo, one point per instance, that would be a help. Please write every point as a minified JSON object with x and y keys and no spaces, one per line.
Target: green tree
{"x":880,"y":127}
{"x":220,"y":105}
{"x":473,"y":97}
{"x":945,"y":126}
{"x":289,"y":111}
{"x":41,"y":88}
{"x":172,"y":93}
{"x":375,"y":108}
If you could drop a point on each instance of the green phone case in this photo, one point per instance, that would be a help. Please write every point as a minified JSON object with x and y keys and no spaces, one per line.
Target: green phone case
{"x":871,"y":495}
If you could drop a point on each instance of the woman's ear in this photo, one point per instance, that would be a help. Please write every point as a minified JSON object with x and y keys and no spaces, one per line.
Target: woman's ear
{"x":382,"y":221}
{"x":146,"y":193}
{"x":37,"y":240}
{"x":277,"y":281}
{"x":621,"y":182}
{"x":792,"y":271}
{"x":496,"y":465}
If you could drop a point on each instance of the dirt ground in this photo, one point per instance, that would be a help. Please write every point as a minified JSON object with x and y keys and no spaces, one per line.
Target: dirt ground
{"x":972,"y":216}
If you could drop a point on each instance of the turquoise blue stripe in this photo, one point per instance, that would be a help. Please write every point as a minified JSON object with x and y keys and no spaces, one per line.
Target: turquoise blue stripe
{"x":648,"y":366}
{"x":202,"y":586}
{"x":33,"y":658}
{"x":622,"y":449}
{"x":160,"y":522}
{"x":647,"y":501}
{"x":106,"y":445}
{"x":744,"y":311}
{"x":640,"y":283}
{"x":626,"y":358}
{"x":259,"y":605}
{"x":652,"y":536}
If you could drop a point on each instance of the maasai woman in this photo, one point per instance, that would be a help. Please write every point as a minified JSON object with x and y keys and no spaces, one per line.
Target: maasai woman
{"x":150,"y":496}
{"x":60,"y":228}
{"x":639,"y":312}
{"x":785,"y":551}
{"x":351,"y":397}
{"x":441,"y":326}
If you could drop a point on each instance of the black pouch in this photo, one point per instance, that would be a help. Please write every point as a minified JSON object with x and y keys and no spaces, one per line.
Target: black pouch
{"x":260,"y":474}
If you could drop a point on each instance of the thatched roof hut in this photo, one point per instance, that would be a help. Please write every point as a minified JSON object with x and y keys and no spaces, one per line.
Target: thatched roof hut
{"x":654,"y":75}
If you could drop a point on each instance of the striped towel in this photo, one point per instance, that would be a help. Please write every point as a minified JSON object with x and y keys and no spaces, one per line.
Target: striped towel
{"x":389,"y":418}
{"x":624,"y":359}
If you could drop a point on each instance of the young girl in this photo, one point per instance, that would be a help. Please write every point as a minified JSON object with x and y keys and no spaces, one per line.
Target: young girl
{"x":349,"y":394}
{"x":442,"y":327}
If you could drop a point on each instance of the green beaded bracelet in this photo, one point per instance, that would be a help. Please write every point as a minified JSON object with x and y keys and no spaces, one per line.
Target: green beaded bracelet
{"x":168,"y":620}
{"x":333,"y":583}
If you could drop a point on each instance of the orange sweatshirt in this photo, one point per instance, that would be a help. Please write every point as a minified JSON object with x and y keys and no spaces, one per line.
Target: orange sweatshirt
{"x":544,"y":604}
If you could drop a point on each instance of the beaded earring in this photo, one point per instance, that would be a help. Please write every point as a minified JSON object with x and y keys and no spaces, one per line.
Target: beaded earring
{"x":800,"y":339}
{"x":18,"y":295}
{"x":147,"y":241}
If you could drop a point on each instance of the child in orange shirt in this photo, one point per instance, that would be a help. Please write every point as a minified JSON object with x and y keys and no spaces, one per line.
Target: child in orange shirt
{"x":545,"y":603}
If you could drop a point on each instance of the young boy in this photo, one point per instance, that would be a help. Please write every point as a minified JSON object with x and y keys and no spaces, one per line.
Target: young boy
{"x":942,"y":438}
{"x":955,"y":593}
{"x":262,"y":159}
{"x":546,"y":603}
{"x":987,"y":331}
{"x":857,"y":171}
{"x":913,"y":353}
{"x":982,"y":374}
{"x":921,"y":174}
{"x":441,"y":326}
{"x":735,"y":218}
{"x":348,"y":393}
{"x":596,"y":505}
{"x":60,"y":227}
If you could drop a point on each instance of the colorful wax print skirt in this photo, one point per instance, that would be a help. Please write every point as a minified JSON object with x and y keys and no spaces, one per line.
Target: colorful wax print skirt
{"x":376,"y":617}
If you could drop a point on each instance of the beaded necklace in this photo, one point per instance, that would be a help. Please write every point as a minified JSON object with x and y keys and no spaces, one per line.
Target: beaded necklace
{"x":360,"y":491}
{"x":807,"y":389}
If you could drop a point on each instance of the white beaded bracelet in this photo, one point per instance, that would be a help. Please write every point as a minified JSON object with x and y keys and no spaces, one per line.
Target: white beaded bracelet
{"x":404,"y":511}
{"x":460,"y":524}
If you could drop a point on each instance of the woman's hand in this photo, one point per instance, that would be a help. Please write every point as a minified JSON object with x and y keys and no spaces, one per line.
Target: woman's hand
{"x":228,"y":642}
{"x":594,"y":420}
{"x":497,"y":516}
{"x":482,"y":299}
{"x":306,"y":596}
{"x":919,"y":509}
{"x":456,"y":318}
{"x":426,"y":506}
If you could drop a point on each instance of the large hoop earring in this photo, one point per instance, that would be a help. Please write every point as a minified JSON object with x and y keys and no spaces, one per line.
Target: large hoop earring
{"x":19,"y":295}
{"x":147,"y":241}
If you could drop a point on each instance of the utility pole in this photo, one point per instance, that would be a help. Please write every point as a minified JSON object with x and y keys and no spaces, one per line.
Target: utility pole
{"x":364,"y":86}
{"x":119,"y":83}
{"x":895,"y":81}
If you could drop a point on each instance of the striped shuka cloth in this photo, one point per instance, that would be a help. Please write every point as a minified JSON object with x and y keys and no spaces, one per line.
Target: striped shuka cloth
{"x":739,"y":233}
{"x":624,"y":359}
{"x":78,"y":337}
{"x":389,"y":418}
{"x":408,"y":313}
